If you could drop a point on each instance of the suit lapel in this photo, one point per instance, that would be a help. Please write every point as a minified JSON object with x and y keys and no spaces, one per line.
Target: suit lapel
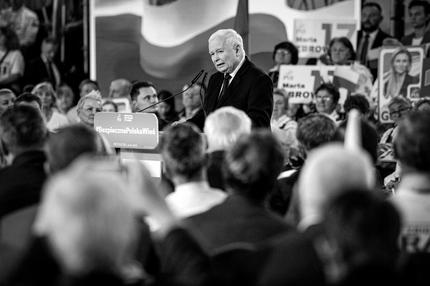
{"x":235,"y":82}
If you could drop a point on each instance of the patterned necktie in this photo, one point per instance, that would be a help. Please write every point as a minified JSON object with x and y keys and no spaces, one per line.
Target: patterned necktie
{"x":363,"y":51}
{"x":224,"y":87}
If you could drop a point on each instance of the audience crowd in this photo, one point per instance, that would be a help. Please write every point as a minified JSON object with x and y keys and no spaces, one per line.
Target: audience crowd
{"x":327,"y":195}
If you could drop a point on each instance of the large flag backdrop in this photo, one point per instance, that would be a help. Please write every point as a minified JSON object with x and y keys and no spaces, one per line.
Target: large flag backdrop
{"x":165,"y":41}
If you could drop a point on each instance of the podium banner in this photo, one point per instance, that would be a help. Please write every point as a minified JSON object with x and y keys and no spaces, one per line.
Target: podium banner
{"x":128,"y":130}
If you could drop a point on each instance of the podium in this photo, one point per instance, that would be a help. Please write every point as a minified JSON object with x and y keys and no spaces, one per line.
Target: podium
{"x":136,"y":135}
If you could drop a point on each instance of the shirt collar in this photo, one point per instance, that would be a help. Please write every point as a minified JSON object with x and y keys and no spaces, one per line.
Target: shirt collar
{"x":237,"y":68}
{"x":192,"y":186}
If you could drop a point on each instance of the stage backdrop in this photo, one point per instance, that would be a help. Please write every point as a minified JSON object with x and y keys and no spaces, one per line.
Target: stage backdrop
{"x":165,"y":41}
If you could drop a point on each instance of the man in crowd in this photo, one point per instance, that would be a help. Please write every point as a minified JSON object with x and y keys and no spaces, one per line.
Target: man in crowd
{"x":419,"y":13}
{"x":412,"y":150}
{"x":237,"y":82}
{"x":222,"y":129}
{"x":120,"y":88}
{"x":143,"y":95}
{"x":7,"y":98}
{"x":23,"y":21}
{"x":370,"y":36}
{"x":23,"y":133}
{"x":43,"y":68}
{"x":183,"y":152}
{"x":251,"y":168}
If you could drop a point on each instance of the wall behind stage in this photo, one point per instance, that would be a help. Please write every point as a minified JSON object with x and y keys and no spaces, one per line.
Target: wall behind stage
{"x":167,"y":44}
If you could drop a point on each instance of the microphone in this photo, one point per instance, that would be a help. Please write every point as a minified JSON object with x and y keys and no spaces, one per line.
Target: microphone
{"x":195,"y":79}
{"x":201,"y":94}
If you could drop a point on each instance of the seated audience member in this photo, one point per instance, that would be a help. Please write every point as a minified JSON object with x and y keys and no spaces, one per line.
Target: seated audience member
{"x":328,"y":171}
{"x":340,"y":52}
{"x":283,"y":127}
{"x":167,"y":109}
{"x":23,"y":133}
{"x":94,"y":246}
{"x":7,"y":98}
{"x":143,"y":96}
{"x":399,"y":107}
{"x":85,"y":87}
{"x":24,"y":22}
{"x":43,"y":68}
{"x":65,"y":98}
{"x":30,"y":99}
{"x":252,"y":165}
{"x":222,"y":129}
{"x":183,"y":152}
{"x":109,"y":106}
{"x":284,"y":53}
{"x":12,"y":61}
{"x":419,"y":13}
{"x":312,"y":131}
{"x":326,"y":101}
{"x":88,"y":106}
{"x":54,"y":119}
{"x":191,"y":100}
{"x":412,"y":150}
{"x":362,"y":232}
{"x":88,"y":222}
{"x":120,"y":88}
{"x":70,"y":142}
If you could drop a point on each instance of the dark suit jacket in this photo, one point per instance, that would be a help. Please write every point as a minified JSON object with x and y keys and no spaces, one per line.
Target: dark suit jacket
{"x":236,"y":220}
{"x":407,"y":40}
{"x":379,"y":39}
{"x":251,"y":90}
{"x":37,"y":72}
{"x":214,"y":169}
{"x":21,"y":183}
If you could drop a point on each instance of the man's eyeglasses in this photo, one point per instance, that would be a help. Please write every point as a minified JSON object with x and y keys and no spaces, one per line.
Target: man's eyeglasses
{"x":399,"y":112}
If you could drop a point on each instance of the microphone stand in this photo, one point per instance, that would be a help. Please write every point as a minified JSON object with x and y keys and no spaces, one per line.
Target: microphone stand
{"x":195,"y":79}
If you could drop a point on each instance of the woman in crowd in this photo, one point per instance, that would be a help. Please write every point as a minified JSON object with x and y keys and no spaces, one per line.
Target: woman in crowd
{"x":65,"y":98}
{"x":54,"y":119}
{"x":399,"y":78}
{"x":283,"y":127}
{"x":326,"y":101}
{"x":284,"y":53}
{"x":166,"y":109}
{"x":109,"y":106}
{"x":11,"y":60}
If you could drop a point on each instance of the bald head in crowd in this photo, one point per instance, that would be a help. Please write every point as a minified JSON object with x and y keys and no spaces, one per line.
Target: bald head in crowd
{"x":119,"y":88}
{"x":328,"y":171}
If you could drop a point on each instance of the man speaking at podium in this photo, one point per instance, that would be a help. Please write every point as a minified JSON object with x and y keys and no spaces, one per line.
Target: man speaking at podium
{"x":238,"y":82}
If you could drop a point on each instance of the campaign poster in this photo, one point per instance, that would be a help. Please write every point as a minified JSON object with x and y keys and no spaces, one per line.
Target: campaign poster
{"x":399,"y":71}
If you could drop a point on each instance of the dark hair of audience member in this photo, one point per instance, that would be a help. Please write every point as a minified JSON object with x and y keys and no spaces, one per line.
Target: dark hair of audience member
{"x":315,"y":130}
{"x":289,"y":47}
{"x":252,"y":165}
{"x":182,"y":149}
{"x":138,"y":85}
{"x":331,"y":89}
{"x":110,"y":102}
{"x":22,"y":127}
{"x":162,"y":95}
{"x":420,"y":3}
{"x":12,"y":41}
{"x":357,"y":101}
{"x":347,"y":43}
{"x":372,"y":4}
{"x":28,"y":97}
{"x":412,"y":143}
{"x":89,"y":81}
{"x":364,"y":229}
{"x":68,"y":143}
